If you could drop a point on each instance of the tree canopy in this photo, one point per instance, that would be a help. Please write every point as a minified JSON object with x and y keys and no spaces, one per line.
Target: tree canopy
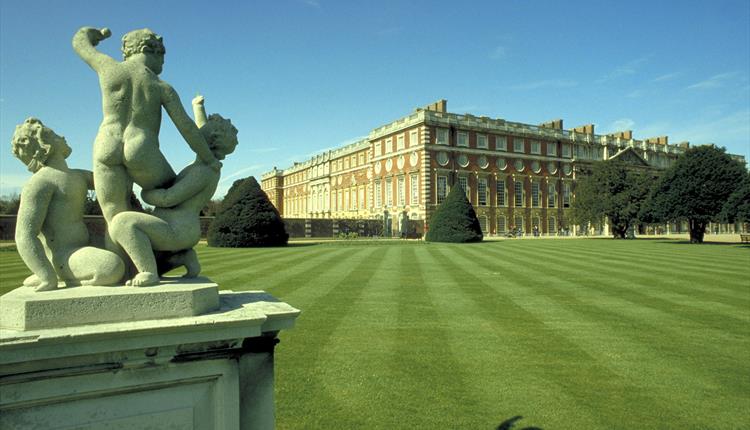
{"x":454,"y":220}
{"x":696,"y":188}
{"x":611,"y":190}
{"x":737,"y":207}
{"x":247,"y":218}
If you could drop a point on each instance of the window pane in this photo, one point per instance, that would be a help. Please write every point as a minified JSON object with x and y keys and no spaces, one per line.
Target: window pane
{"x":442,"y":188}
{"x":463,"y":138}
{"x":551,"y":195}
{"x":518,"y":186}
{"x":535,"y":194}
{"x":481,"y":141}
{"x":414,"y":198}
{"x":501,"y":143}
{"x":518,"y":144}
{"x":500,"y":193}
{"x":482,"y":190}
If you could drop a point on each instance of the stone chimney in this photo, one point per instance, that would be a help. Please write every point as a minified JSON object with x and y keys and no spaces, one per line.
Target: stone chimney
{"x":556,"y":124}
{"x":585,"y":129}
{"x":438,"y":106}
{"x":627,"y":134}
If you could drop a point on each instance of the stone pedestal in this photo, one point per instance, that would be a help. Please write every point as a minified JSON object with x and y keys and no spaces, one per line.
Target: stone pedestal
{"x":211,"y":367}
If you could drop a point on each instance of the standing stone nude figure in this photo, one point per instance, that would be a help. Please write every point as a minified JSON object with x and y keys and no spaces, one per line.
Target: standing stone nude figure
{"x":174,"y":226}
{"x":126,"y":148}
{"x":51,"y":208}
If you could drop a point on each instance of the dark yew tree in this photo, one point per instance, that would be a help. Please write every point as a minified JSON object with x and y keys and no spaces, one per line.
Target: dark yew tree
{"x":454,"y":220}
{"x":612,"y":190}
{"x":247,"y":218}
{"x":696,"y":188}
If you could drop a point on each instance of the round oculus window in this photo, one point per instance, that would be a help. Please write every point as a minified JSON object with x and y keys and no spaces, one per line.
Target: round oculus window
{"x":552,"y":168}
{"x":536,"y":166}
{"x":442,"y":158}
{"x":482,"y":162}
{"x":463,"y":160}
{"x":567,"y":169}
{"x":518,"y":164}
{"x":388,"y":165}
{"x":413,"y":159}
{"x":400,"y":162}
{"x":501,"y":164}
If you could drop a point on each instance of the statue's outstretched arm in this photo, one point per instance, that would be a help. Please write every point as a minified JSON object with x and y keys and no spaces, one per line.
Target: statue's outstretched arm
{"x":35,"y":199}
{"x":186,"y":127}
{"x":199,"y":111}
{"x":185,"y":188}
{"x":84,"y":43}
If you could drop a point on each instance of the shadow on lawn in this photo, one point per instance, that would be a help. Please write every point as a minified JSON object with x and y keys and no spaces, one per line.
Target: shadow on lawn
{"x":511,"y":422}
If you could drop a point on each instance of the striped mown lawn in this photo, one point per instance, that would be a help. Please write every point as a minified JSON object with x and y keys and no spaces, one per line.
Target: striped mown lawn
{"x":568,"y":334}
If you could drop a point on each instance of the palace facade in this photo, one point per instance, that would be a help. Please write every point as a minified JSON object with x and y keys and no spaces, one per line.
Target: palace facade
{"x":517,"y":176}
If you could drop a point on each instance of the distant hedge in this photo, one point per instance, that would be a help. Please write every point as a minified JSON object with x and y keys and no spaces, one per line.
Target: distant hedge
{"x":247,"y":218}
{"x":455,"y":220}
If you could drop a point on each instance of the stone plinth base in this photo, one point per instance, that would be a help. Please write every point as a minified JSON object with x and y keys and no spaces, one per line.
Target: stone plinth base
{"x":210,"y":371}
{"x":26,"y":309}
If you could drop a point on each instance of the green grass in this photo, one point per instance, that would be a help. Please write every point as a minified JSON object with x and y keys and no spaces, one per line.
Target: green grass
{"x":568,"y":334}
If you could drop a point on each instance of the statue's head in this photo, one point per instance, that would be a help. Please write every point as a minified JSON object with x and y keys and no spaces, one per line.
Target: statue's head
{"x":144,"y":41}
{"x":220,"y":135}
{"x":33,"y":143}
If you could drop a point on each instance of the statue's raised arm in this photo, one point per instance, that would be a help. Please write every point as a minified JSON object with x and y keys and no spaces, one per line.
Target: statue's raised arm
{"x":84,"y":43}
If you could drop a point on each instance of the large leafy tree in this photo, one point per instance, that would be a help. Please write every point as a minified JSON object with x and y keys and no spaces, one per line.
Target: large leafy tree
{"x":455,"y":220}
{"x":612,"y":190}
{"x":247,"y":218}
{"x":696,"y":188}
{"x":737,"y":207}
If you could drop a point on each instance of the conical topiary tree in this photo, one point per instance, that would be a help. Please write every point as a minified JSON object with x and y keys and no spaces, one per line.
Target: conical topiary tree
{"x":247,"y":218}
{"x":454,"y":220}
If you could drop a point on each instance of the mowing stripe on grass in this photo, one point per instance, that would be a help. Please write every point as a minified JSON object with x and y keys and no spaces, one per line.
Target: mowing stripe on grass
{"x":583,"y":373}
{"x":321,"y":318}
{"x":724,"y":299}
{"x":645,"y":263}
{"x":649,"y":296}
{"x":423,"y":364}
{"x":636,"y":349}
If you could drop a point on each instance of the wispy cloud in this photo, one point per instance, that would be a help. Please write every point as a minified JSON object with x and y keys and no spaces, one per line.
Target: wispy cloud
{"x":312,"y":3}
{"x":621,"y":124}
{"x":716,"y":81}
{"x":547,"y":83}
{"x":666,"y":77}
{"x":629,"y":68}
{"x":498,"y":53}
{"x":254,"y":167}
{"x":635,"y":94}
{"x":724,"y":130}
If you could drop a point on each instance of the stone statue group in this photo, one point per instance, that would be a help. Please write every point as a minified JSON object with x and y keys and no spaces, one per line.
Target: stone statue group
{"x":51,"y":236}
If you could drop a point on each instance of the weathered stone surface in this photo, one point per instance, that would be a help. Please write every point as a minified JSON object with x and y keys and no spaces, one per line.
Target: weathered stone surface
{"x":25,"y":309}
{"x":212,"y":371}
{"x":51,"y":236}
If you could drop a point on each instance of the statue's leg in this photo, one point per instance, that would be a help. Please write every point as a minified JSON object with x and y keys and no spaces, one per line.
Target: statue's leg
{"x":188,"y":258}
{"x":147,"y":166}
{"x":113,"y":187}
{"x":139,"y":234}
{"x":95,"y":266}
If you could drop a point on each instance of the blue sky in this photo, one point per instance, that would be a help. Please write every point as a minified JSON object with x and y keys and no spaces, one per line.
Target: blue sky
{"x":300,"y":76}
